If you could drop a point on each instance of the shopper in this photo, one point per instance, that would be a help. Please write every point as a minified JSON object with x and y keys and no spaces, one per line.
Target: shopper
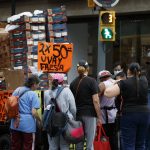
{"x":135,"y":116}
{"x":85,"y":90}
{"x":117,"y":68}
{"x":119,"y":106}
{"x":23,"y":137}
{"x":108,"y":108}
{"x":66,"y":104}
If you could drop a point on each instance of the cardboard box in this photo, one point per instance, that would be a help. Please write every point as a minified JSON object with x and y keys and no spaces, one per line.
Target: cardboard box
{"x":4,"y":49}
{"x":16,"y":75}
{"x":21,"y":20}
{"x":3,"y":24}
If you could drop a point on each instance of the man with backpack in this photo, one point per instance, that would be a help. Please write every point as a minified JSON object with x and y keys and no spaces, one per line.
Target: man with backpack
{"x":23,"y":130}
{"x":64,"y":103}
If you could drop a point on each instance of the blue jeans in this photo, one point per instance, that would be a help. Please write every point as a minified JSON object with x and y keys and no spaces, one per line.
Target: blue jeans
{"x":148,"y":140}
{"x":134,"y":127}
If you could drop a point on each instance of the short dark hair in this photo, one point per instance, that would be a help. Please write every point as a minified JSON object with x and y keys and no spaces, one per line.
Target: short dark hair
{"x":118,"y":63}
{"x":120,"y":74}
{"x":33,"y":79}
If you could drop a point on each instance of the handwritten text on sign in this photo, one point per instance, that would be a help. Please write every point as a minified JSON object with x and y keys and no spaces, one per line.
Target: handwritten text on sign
{"x":3,"y":96}
{"x":54,"y":57}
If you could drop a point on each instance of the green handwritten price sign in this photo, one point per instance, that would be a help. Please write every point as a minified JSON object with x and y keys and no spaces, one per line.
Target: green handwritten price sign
{"x":54,"y":57}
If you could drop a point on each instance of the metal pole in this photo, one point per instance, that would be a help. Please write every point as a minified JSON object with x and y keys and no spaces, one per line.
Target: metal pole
{"x":101,"y":52}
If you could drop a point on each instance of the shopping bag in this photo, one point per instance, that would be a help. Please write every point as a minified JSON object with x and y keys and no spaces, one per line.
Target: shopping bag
{"x":74,"y":132}
{"x":101,"y":141}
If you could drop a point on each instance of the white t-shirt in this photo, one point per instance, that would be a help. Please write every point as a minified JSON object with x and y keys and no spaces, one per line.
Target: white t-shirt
{"x":110,"y":102}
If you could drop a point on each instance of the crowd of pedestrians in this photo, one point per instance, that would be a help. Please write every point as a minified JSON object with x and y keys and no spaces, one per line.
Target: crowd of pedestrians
{"x":94,"y":103}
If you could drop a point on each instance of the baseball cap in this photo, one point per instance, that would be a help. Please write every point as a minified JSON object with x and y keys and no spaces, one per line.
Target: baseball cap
{"x":58,"y":76}
{"x":104,"y":73}
{"x":83,"y":63}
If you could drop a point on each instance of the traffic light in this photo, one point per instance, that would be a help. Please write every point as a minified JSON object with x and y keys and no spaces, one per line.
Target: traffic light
{"x":107,"y":26}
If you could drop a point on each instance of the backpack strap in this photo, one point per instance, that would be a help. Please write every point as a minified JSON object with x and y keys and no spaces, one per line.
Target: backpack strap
{"x":79,"y":86}
{"x":57,"y":94}
{"x":23,"y":93}
{"x":17,"y":119}
{"x":59,"y":91}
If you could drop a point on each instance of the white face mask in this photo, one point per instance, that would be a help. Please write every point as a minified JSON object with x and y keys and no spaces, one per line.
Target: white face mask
{"x":116,"y":72}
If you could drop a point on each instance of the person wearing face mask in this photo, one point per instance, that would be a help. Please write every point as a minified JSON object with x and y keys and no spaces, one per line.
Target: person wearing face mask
{"x":117,"y":68}
{"x":135,"y":113}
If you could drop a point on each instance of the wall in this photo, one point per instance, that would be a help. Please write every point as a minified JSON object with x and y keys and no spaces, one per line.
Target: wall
{"x":74,"y":7}
{"x":78,"y":35}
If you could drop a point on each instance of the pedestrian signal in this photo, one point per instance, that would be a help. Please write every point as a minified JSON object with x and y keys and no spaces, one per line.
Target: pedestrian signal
{"x":107,"y":26}
{"x":106,"y":33}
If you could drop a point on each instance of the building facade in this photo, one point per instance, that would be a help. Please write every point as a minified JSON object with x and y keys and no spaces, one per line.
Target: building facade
{"x":132,"y":31}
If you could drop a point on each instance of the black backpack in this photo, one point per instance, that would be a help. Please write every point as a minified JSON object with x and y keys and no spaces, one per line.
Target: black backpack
{"x":54,"y":121}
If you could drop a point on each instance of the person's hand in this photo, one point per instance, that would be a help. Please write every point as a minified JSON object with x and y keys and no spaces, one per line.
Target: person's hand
{"x":99,"y":122}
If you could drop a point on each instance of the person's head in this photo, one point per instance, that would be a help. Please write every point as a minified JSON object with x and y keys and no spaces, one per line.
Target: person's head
{"x":32,"y":82}
{"x":82,"y":68}
{"x":57,"y":79}
{"x":104,"y":75}
{"x":117,"y":68}
{"x":120,"y":76}
{"x":134,"y":69}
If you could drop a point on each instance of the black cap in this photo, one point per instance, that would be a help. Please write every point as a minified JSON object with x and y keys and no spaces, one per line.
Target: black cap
{"x":83,"y":63}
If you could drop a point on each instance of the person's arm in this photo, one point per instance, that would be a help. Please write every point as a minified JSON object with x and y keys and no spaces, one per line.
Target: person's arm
{"x":72,"y":105}
{"x":35,"y":107}
{"x":112,"y":91}
{"x":35,"y":114}
{"x":37,"y":117}
{"x":96,"y":102}
{"x":97,"y":108}
{"x":101,"y":88}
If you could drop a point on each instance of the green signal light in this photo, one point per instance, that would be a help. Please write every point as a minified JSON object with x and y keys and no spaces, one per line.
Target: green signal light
{"x":107,"y":33}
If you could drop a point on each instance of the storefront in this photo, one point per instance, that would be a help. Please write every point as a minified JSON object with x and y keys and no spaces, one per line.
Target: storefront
{"x":132,"y":32}
{"x":132,"y":42}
